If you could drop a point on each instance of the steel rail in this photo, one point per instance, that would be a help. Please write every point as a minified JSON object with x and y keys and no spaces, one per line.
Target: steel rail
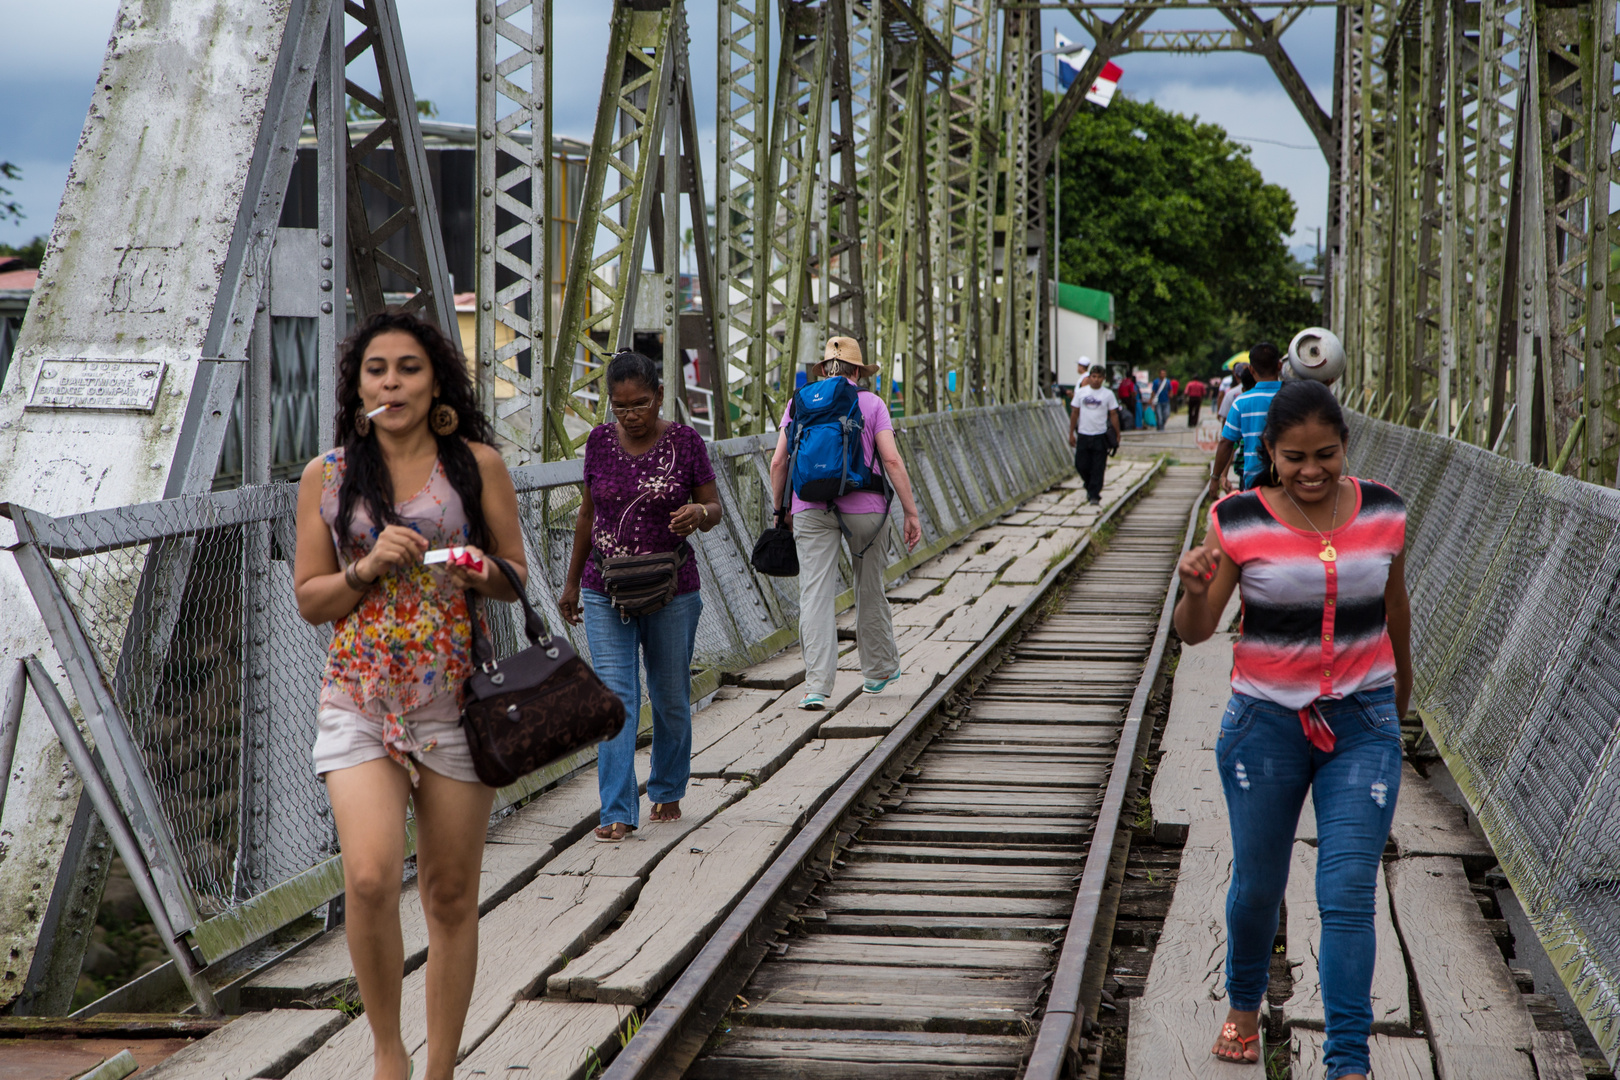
{"x":649,"y":1053}
{"x":1056,"y":1035}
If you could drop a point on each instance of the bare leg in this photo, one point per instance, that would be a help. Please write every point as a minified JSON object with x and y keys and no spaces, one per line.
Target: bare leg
{"x":368,"y":804}
{"x":451,"y":819}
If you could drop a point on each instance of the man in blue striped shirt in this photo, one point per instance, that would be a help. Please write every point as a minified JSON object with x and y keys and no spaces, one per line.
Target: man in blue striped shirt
{"x":1247,"y":418}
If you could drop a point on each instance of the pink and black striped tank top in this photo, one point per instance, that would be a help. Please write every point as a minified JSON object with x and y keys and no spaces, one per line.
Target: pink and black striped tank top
{"x":1312,"y":629}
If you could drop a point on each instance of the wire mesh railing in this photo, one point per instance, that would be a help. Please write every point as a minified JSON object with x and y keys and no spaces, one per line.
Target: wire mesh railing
{"x":179,"y":619}
{"x":1515,"y":579}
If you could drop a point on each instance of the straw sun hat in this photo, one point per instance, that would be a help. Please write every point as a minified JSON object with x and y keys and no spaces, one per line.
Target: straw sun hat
{"x":847,"y":350}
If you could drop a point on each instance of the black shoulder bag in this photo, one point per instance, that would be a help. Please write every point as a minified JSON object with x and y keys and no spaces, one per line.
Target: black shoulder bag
{"x":774,"y":552}
{"x":537,"y":705}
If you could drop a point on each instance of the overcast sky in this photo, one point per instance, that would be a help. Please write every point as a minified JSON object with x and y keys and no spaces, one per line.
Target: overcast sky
{"x":49,"y":60}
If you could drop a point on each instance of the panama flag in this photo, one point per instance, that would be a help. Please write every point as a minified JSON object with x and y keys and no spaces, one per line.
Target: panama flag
{"x":1068,"y":69}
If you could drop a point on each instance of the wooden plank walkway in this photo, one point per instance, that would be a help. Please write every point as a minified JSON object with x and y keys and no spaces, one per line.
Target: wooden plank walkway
{"x":1431,"y":932}
{"x":574,"y":934}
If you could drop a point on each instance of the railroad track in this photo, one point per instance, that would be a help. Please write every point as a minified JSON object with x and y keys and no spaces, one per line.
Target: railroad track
{"x":934,"y":919}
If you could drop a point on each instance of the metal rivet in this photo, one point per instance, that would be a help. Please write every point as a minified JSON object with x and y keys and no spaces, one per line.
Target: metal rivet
{"x":326,"y":240}
{"x":326,"y":285}
{"x":488,"y":77}
{"x":486,"y":305}
{"x":326,"y":263}
{"x":326,"y":308}
{"x":488,"y":19}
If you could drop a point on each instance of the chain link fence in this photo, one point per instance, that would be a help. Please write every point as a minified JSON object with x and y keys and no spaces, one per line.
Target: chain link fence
{"x":187,"y":613}
{"x":1515,"y":580}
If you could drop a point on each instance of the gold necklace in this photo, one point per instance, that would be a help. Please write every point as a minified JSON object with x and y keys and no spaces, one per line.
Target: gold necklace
{"x":1328,"y":553}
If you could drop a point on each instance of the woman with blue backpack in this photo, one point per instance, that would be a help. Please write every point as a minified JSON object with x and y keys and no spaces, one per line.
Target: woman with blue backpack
{"x":836,"y":446}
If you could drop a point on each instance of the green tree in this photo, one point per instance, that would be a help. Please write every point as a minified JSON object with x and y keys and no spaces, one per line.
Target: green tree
{"x":1172,"y":217}
{"x":32,"y":253}
{"x":10,"y":209}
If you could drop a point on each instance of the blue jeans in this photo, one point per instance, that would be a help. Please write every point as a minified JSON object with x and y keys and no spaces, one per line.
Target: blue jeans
{"x":1266,"y":765}
{"x":618,"y":646}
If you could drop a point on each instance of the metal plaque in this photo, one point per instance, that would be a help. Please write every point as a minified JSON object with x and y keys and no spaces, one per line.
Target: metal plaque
{"x":96,"y":384}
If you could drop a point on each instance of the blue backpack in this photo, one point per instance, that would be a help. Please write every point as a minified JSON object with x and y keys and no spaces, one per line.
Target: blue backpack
{"x":825,"y":438}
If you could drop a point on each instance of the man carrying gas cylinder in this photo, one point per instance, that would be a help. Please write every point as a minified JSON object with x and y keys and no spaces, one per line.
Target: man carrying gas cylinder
{"x":836,"y":447}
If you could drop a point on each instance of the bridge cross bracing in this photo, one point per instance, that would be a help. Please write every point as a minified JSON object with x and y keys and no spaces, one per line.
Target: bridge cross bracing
{"x":881,"y":176}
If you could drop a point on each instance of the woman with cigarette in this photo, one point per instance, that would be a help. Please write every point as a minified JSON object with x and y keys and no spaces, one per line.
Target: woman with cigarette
{"x":414,"y":470}
{"x":648,"y":486}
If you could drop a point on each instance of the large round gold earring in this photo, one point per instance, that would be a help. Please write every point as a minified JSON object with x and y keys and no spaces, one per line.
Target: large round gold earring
{"x":362,"y":422}
{"x":1276,"y":479}
{"x":444,"y":419}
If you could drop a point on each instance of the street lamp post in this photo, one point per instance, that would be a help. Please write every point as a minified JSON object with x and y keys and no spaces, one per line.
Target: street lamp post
{"x":1057,"y":184}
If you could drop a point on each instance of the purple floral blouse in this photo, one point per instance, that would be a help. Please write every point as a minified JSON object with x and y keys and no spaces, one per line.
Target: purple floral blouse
{"x":634,"y":496}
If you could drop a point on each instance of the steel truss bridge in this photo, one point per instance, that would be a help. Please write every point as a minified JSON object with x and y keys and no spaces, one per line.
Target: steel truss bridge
{"x":879,"y":173}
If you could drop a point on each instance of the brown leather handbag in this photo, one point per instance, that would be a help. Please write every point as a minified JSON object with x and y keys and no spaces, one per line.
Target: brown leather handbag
{"x":537,"y":705}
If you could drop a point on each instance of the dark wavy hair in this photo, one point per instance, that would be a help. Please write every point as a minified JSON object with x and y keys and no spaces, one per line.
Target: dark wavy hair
{"x":627,"y":365}
{"x":1296,"y":403}
{"x":365,"y":476}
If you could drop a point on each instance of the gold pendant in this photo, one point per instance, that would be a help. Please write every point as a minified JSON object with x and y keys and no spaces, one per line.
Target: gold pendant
{"x":1328,"y":553}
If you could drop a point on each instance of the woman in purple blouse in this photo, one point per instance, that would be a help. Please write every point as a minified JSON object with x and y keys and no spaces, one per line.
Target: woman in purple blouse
{"x":648,"y":486}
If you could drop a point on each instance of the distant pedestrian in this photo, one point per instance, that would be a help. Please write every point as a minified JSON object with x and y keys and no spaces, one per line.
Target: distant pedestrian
{"x":859,"y":518}
{"x":415,"y":468}
{"x":1159,"y":393}
{"x":1246,"y":418}
{"x":1093,"y":413}
{"x":1195,"y":400}
{"x":648,"y":486}
{"x":1321,"y":676}
{"x":1130,"y":403}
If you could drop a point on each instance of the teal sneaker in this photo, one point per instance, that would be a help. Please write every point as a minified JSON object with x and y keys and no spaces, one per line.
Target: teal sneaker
{"x":877,"y":686}
{"x":813,"y":702}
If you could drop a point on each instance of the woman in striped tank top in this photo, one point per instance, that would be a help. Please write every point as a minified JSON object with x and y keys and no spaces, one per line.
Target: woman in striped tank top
{"x":1321,"y":675}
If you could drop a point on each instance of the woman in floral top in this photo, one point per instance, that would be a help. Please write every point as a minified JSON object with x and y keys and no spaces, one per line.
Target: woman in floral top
{"x":388,"y":722}
{"x":648,"y":486}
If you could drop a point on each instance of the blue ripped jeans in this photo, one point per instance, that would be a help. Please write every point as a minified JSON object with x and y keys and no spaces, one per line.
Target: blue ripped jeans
{"x":1266,"y":766}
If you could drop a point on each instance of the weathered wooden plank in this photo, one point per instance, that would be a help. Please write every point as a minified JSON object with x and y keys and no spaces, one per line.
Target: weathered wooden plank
{"x":878,"y":1016}
{"x":547,"y":1040}
{"x":1392,"y":1058}
{"x":1471,"y":1003}
{"x":525,"y":939}
{"x":944,"y":987}
{"x":765,"y":741}
{"x":930,"y":612}
{"x":1189,"y":960}
{"x":914,"y":589}
{"x":1187,"y":785}
{"x":967,"y":584}
{"x":923,"y":952}
{"x":1392,"y":1012}
{"x":725,"y":1066}
{"x":876,"y":714}
{"x":258,"y":1044}
{"x":1557,"y":1057}
{"x":860,"y":1055}
{"x":960,"y":828}
{"x":1000,"y":555}
{"x":783,"y":671}
{"x":685,"y":899}
{"x":936,"y":657}
{"x":1170,"y":1039}
{"x":850,"y":902}
{"x":1427,"y":824}
{"x":976,"y":622}
{"x":946,"y":563}
{"x":1031,"y":566}
{"x":638,"y":853}
{"x":982,"y":927}
{"x":798,"y":789}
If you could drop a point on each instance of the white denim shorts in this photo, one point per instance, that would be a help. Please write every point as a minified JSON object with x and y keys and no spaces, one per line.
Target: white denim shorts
{"x":348,"y":735}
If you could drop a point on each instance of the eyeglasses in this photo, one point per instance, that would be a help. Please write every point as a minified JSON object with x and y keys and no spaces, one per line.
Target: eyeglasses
{"x":625,"y":412}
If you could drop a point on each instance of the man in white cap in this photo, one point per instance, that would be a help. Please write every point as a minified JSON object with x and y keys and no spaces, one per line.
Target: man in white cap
{"x":860,"y":517}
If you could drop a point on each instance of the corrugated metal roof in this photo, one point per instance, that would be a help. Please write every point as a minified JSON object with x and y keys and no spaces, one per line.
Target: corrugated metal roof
{"x":1097,"y":304}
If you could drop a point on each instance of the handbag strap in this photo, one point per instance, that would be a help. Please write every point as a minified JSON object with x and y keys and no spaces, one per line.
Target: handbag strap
{"x":534,"y":626}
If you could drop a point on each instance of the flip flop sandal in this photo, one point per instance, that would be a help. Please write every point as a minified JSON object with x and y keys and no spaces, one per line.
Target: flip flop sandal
{"x":610,"y":834}
{"x":1229,"y":1034}
{"x":659,"y":814}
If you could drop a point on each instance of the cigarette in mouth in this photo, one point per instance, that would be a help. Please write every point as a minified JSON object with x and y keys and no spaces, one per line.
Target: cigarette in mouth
{"x":378,"y":411}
